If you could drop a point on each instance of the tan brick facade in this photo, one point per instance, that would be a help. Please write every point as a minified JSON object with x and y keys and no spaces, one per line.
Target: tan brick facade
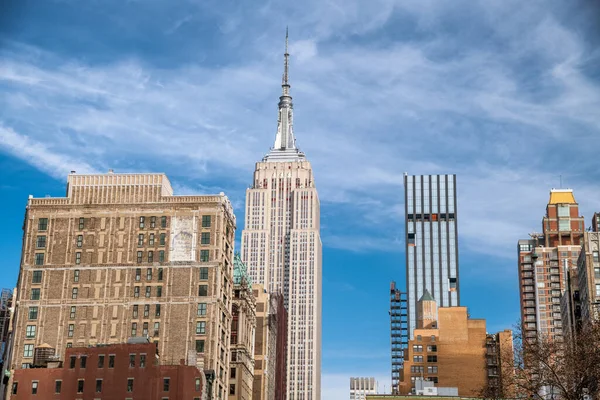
{"x":242,"y":343}
{"x":120,"y":256}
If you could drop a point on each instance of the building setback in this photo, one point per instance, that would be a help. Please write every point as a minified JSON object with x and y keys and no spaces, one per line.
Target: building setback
{"x":120,"y":256}
{"x":118,"y":371}
{"x":281,"y":244}
{"x":449,"y":349}
{"x":545,"y":263}
{"x":431,"y":241}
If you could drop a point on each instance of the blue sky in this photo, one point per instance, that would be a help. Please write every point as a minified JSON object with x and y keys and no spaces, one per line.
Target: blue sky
{"x":504,"y":93}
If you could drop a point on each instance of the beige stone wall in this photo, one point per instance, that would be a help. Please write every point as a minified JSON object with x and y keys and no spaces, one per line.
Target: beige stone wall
{"x":100,"y":261}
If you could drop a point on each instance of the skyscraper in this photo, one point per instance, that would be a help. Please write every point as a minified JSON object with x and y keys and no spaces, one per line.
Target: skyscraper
{"x":545,"y":262}
{"x":431,"y":241}
{"x":281,"y":245}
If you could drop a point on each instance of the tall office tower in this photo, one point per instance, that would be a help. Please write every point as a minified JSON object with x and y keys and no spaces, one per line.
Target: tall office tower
{"x":281,"y":245}
{"x":361,"y":387}
{"x":121,"y":257}
{"x":545,"y":261}
{"x":431,"y":241}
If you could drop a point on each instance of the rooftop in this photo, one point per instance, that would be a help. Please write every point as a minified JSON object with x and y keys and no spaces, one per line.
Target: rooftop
{"x":562,"y":196}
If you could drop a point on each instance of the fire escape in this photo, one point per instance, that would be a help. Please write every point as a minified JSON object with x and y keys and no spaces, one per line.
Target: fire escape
{"x":399,"y":333}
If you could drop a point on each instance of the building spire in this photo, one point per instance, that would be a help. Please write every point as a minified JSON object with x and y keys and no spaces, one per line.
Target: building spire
{"x":285,"y":143}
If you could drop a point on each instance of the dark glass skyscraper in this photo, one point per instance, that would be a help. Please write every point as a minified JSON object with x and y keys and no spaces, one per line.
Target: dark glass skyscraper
{"x":431,"y":241}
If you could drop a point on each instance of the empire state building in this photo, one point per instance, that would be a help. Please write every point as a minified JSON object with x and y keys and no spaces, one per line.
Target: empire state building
{"x":281,"y":245}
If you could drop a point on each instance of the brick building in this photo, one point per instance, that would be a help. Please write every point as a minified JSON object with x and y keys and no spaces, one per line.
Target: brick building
{"x":546,"y":261}
{"x":270,"y":346}
{"x":118,"y":371}
{"x":448,"y":349}
{"x":120,"y":256}
{"x":243,"y":326}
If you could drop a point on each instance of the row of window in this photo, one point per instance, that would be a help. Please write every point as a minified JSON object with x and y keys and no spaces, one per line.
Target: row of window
{"x":43,"y":222}
{"x":136,"y":291}
{"x":419,"y":369}
{"x":163,"y":222}
{"x":37,"y":275}
{"x":430,"y":359}
{"x":162,"y":239}
{"x":33,"y":312}
{"x":417,"y":348}
{"x":145,"y":329}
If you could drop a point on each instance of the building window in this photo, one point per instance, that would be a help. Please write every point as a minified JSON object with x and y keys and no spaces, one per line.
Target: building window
{"x":232,"y":370}
{"x":204,"y":255}
{"x":206,"y":221}
{"x":30,"y":332}
{"x":71,"y":330}
{"x":42,"y":224}
{"x":596,"y":256}
{"x":140,"y":256}
{"x":132,"y":361}
{"x":418,"y":348}
{"x":57,"y":386}
{"x":79,"y":241}
{"x":161,"y":256}
{"x":166,"y":382}
{"x":432,"y":369}
{"x":72,"y":362}
{"x":33,"y":313}
{"x":81,"y":223}
{"x":163,"y":222}
{"x":416,"y":369}
{"x":203,"y":290}
{"x":150,"y":258}
{"x":80,"y":386}
{"x":148,"y":291}
{"x":160,"y":272}
{"x":163,"y":239}
{"x":564,"y":225}
{"x":159,"y":291}
{"x":432,"y":348}
{"x":152,"y":222}
{"x":35,"y":294}
{"x":34,"y":387}
{"x":201,"y":309}
{"x":74,"y":293}
{"x":37,"y":277}
{"x":101,"y":361}
{"x":39,"y":258}
{"x":149,"y":273}
{"x":199,"y":346}
{"x":151,"y":239}
{"x":69,"y":345}
{"x":563,"y":210}
{"x":232,"y":389}
{"x":136,"y":291}
{"x":83,"y":361}
{"x":28,"y":350}
{"x":98,"y":385}
{"x":72,"y":313}
{"x":205,"y":238}
{"x":134,"y":329}
{"x":431,"y":359}
{"x":76,"y":275}
{"x":135,"y":311}
{"x":138,"y":274}
{"x":156,"y":328}
{"x":142,"y":361}
{"x":111,"y":361}
{"x":40,"y":243}
{"x":203,"y":273}
{"x":130,"y":385}
{"x":418,"y":359}
{"x":146,"y":310}
{"x":200,"y":327}
{"x":145,"y":329}
{"x":141,"y":240}
{"x":78,"y":258}
{"x":597,"y":290}
{"x":15,"y":387}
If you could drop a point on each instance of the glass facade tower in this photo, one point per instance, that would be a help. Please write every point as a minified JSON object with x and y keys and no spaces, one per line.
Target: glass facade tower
{"x":431,"y":241}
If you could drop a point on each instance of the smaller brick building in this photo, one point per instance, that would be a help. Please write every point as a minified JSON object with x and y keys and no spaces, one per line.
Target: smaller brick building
{"x":120,"y":371}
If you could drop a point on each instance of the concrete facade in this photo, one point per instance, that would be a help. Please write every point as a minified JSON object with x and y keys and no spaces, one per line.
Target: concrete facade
{"x":121,"y":256}
{"x":120,"y":371}
{"x":361,"y":387}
